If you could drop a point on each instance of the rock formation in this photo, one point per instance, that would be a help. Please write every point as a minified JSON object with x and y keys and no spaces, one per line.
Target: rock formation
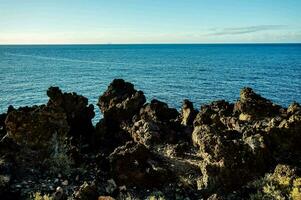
{"x":249,"y":149}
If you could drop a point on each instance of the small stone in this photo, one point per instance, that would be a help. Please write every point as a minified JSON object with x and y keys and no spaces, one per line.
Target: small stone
{"x":111,"y":187}
{"x":65,"y":183}
{"x":122,"y":188}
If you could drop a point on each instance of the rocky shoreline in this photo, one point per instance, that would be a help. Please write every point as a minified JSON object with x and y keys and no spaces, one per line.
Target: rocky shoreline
{"x":250,"y":149}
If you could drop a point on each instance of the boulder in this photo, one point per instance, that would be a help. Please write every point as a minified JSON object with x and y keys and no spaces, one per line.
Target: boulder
{"x":158,"y":111}
{"x":79,"y":114}
{"x":228,"y":162}
{"x":2,"y":121}
{"x":252,"y":106}
{"x":214,"y":113}
{"x":134,"y":165}
{"x":284,"y":135}
{"x":188,"y":113}
{"x":156,"y":123}
{"x":120,"y":102}
{"x":37,"y":127}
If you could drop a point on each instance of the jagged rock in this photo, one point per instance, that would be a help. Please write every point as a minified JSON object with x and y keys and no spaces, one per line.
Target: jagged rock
{"x":120,"y":102}
{"x":134,"y":165}
{"x":2,"y":121}
{"x":109,"y":136}
{"x":229,"y":159}
{"x":252,"y":106}
{"x":2,"y":125}
{"x":284,"y":135}
{"x":79,"y":113}
{"x":37,"y":127}
{"x":156,"y":123}
{"x":188,"y":113}
{"x":294,"y":108}
{"x":214,"y":113}
{"x":158,"y":111}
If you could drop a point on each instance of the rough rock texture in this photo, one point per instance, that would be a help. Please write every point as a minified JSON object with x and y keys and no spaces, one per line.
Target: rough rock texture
{"x":188,"y":113}
{"x":249,"y":149}
{"x":232,"y":156}
{"x":79,"y":113}
{"x":133,"y":164}
{"x":120,"y":101}
{"x":87,"y":192}
{"x":156,"y":123}
{"x":252,"y":105}
{"x":37,"y":127}
{"x":284,"y":135}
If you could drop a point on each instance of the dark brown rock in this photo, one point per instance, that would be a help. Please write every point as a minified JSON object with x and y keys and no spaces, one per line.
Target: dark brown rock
{"x":79,"y":114}
{"x":134,"y":165}
{"x":37,"y":127}
{"x":120,"y":102}
{"x":252,"y":106}
{"x":188,"y":113}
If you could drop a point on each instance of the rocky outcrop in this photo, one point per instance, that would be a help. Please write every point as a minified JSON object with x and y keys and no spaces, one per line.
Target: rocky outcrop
{"x":251,"y":106}
{"x":120,"y":102}
{"x":79,"y":114}
{"x":144,"y":150}
{"x":188,"y":113}
{"x":37,"y":127}
{"x":134,"y":165}
{"x":156,"y":123}
{"x":232,"y":155}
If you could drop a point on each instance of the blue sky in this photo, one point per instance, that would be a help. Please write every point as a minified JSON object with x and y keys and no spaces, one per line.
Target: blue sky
{"x":149,"y":21}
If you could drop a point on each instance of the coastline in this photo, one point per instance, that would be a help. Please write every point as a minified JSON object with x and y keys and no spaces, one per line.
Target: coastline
{"x":147,"y":150}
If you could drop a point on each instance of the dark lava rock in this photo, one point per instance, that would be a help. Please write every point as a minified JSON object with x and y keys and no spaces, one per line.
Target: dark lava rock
{"x":251,"y":106}
{"x":229,"y":160}
{"x":214,"y":113}
{"x":158,"y":111}
{"x":134,"y":165}
{"x":232,"y":155}
{"x":156,"y":123}
{"x":2,"y":121}
{"x":120,"y":102}
{"x":188,"y":113}
{"x":79,"y":114}
{"x":284,"y":135}
{"x":37,"y":127}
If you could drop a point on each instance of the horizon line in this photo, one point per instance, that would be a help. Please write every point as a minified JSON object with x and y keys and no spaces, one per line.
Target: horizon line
{"x":204,"y":43}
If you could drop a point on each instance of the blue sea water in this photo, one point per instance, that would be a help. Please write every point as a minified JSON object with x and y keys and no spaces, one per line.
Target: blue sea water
{"x":171,"y":73}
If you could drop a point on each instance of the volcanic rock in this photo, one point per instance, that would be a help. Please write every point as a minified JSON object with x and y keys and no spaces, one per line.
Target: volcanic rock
{"x":120,"y":102}
{"x":251,"y":106}
{"x":134,"y":165}
{"x":188,"y":113}
{"x":79,"y":114}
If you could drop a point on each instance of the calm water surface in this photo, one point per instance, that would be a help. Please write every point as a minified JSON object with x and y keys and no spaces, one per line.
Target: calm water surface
{"x":170,"y":73}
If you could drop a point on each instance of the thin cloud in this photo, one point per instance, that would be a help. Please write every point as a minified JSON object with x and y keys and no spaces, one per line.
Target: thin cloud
{"x":245,"y":30}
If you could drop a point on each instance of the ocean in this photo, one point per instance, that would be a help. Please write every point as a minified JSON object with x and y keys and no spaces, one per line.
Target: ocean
{"x":170,"y":73}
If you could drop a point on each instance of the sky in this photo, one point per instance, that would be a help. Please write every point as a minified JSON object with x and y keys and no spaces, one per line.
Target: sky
{"x":149,"y":21}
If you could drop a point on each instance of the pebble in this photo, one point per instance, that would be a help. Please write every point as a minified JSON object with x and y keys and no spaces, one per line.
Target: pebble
{"x":65,"y":182}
